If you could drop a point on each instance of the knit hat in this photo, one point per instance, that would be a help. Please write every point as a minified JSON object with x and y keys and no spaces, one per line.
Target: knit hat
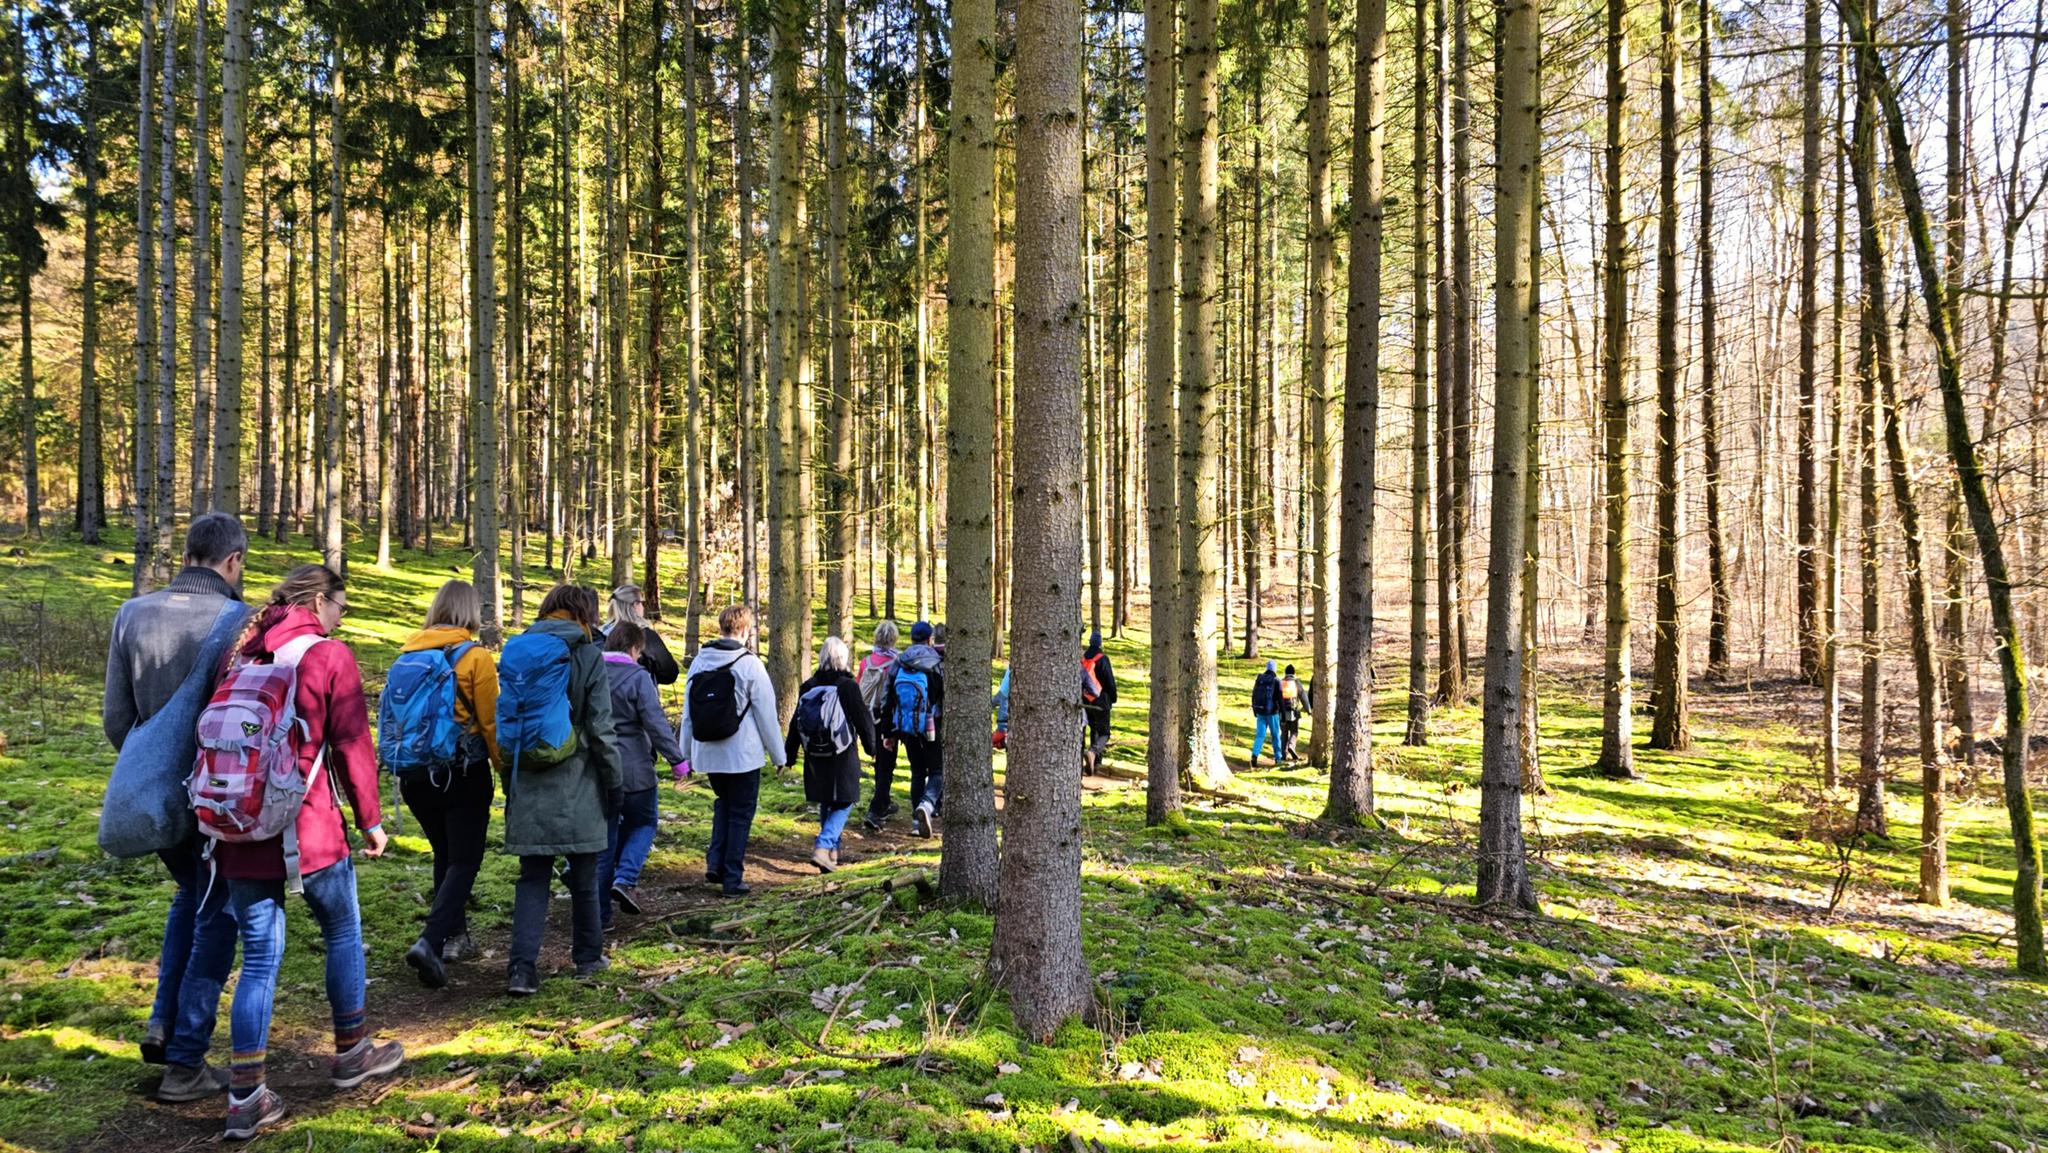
{"x":921,"y":633}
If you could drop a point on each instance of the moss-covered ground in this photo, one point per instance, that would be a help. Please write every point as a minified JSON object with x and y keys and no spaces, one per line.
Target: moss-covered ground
{"x":1263,"y":981}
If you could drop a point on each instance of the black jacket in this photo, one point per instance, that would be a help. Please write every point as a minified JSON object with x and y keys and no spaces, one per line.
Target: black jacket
{"x":1105,"y":675}
{"x":834,"y":781}
{"x":1266,"y":695}
{"x":654,"y":655}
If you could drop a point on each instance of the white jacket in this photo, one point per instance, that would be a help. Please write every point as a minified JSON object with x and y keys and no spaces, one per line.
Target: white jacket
{"x":759,"y":737}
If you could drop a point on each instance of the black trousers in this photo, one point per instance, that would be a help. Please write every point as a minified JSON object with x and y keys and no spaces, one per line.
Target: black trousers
{"x":456,"y":821}
{"x":885,"y":776}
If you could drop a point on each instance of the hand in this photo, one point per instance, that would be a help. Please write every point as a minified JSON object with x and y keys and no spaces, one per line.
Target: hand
{"x":614,"y":800}
{"x":375,"y":842}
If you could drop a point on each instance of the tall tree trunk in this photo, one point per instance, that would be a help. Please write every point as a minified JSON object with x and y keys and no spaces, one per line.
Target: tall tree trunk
{"x":839,"y":486}
{"x":334,"y":431}
{"x":785,"y":460}
{"x":1955,"y":582}
{"x":202,"y":271}
{"x":1037,"y":952}
{"x":143,"y":431}
{"x":744,"y":336}
{"x":267,"y":445}
{"x":618,"y":273}
{"x":693,"y":335}
{"x":91,"y":515}
{"x":1417,"y":732}
{"x":289,"y":492}
{"x":1831,"y":595}
{"x":968,"y":862}
{"x":654,"y":189}
{"x":1350,"y":797}
{"x":227,"y":426}
{"x":1316,"y":373}
{"x":1617,"y":697}
{"x":166,"y":301}
{"x":518,"y":387}
{"x":483,"y":370}
{"x":1452,"y":685}
{"x":1710,"y":404}
{"x":1503,"y":877}
{"x":1807,"y":431}
{"x":1164,"y":752}
{"x":1670,"y":729}
{"x":920,"y":290}
{"x":1200,"y":525}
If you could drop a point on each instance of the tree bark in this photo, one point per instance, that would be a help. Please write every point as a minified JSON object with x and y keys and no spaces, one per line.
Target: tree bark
{"x":142,"y":434}
{"x":1037,"y":952}
{"x":91,"y":514}
{"x":166,"y":409}
{"x":1417,"y":731}
{"x":1710,"y":402}
{"x":1503,"y":873}
{"x":839,"y":486}
{"x":1670,"y":730}
{"x":1164,"y":751}
{"x":1451,"y":687}
{"x":227,"y":428}
{"x":333,"y":429}
{"x":1351,"y":795}
{"x":693,"y":361}
{"x":968,"y":861}
{"x":1807,"y":431}
{"x":785,"y":178}
{"x":202,"y":485}
{"x":484,"y":310}
{"x":1617,"y":697}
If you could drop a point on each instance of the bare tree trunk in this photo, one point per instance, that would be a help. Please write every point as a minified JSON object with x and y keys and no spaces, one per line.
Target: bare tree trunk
{"x":1670,"y":730}
{"x":333,"y":430}
{"x":693,"y":382}
{"x":1417,"y":732}
{"x":1617,"y":698}
{"x":167,"y":302}
{"x":1452,"y":687}
{"x":91,"y":515}
{"x":1200,"y":525}
{"x":202,"y":271}
{"x":1870,"y":798}
{"x":968,"y":862}
{"x":1351,"y":796}
{"x":227,"y":428}
{"x":1807,"y":433}
{"x":143,"y":431}
{"x":1037,"y":952}
{"x":785,"y":179}
{"x":654,"y":188}
{"x":1831,"y":595}
{"x":1503,"y":877}
{"x":484,"y":309}
{"x":1164,"y":752}
{"x":1710,"y":403}
{"x":839,"y":486}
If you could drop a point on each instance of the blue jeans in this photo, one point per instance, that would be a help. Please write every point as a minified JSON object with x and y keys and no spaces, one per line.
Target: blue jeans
{"x":628,"y":841}
{"x":1266,"y":725}
{"x":732,"y":821}
{"x":258,"y":908}
{"x":198,"y":954}
{"x":831,"y":823}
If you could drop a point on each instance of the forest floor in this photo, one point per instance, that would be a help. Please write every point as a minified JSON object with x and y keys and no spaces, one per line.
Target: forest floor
{"x":1264,"y":981}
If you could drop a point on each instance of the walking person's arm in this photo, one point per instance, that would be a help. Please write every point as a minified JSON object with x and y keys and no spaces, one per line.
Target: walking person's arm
{"x":117,"y":703}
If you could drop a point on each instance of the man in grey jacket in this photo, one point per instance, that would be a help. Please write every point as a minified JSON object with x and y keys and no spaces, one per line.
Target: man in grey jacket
{"x":154,"y":641}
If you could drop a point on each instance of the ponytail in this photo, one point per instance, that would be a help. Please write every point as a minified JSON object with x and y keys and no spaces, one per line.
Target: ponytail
{"x":301,"y":586}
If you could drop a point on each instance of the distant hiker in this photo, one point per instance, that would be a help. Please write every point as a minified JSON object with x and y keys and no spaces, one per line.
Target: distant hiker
{"x":627,"y":605}
{"x":832,"y":726}
{"x":1001,"y":703}
{"x":918,"y":706}
{"x":1293,"y":699}
{"x":1098,"y":696}
{"x":437,"y":732}
{"x":562,"y":778}
{"x":153,"y":650}
{"x":642,"y":730}
{"x":306,"y":694}
{"x":1266,"y":712}
{"x":729,"y":728}
{"x":877,"y":671}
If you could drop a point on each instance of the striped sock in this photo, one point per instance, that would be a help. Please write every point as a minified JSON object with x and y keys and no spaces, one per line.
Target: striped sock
{"x":245,"y":1071}
{"x":349,"y":1029}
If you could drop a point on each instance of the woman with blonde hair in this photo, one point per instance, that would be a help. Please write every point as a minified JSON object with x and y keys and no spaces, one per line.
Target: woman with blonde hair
{"x":629,"y":606}
{"x":452,"y":800}
{"x":833,"y":727}
{"x":296,"y":628}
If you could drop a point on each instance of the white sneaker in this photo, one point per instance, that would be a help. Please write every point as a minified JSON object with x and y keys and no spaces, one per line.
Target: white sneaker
{"x":921,"y":821}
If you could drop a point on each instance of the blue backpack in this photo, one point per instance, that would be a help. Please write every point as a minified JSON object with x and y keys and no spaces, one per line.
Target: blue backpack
{"x":913,"y":702}
{"x":417,"y":734}
{"x":533,"y":702}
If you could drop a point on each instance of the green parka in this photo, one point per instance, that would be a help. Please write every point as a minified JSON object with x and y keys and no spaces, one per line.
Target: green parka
{"x":559,"y":810}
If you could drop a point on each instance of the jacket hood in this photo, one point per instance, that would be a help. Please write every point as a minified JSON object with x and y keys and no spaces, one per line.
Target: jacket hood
{"x":569,"y":631}
{"x":292,"y":623}
{"x":622,"y":659}
{"x":717,"y":655}
{"x":438,"y":637}
{"x":921,"y":657}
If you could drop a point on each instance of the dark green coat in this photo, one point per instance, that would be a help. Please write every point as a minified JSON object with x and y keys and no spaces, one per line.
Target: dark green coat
{"x":559,"y":810}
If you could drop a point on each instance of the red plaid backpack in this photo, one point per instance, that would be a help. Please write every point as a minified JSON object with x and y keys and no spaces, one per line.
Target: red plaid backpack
{"x":246,"y":785}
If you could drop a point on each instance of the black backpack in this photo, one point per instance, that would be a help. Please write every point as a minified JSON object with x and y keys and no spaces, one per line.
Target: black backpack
{"x":715,"y":704}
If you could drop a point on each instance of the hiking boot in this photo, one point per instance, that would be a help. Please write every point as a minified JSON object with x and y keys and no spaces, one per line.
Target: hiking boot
{"x":711,"y":878}
{"x":253,"y":1114}
{"x":521,"y":980}
{"x":835,"y":859}
{"x":871,"y":822}
{"x":154,"y":1038}
{"x":588,"y":969}
{"x":368,"y":1059}
{"x":628,"y":898}
{"x":460,"y":947}
{"x":427,"y":963}
{"x":739,"y":890}
{"x":184,"y":1083}
{"x":822,"y":858}
{"x":921,"y":821}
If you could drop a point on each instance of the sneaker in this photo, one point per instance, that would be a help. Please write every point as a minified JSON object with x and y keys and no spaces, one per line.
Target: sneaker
{"x":427,"y":963}
{"x":153,"y":1040}
{"x":368,"y":1059}
{"x":628,"y":898}
{"x":871,"y":822}
{"x":921,"y":821}
{"x":521,"y":980}
{"x":460,"y":947}
{"x":587,"y":969}
{"x":822,"y":858}
{"x":251,"y":1115}
{"x":739,"y":890}
{"x":184,"y":1083}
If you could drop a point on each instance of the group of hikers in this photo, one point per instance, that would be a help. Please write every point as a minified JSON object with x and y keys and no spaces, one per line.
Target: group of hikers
{"x":252,"y":727}
{"x":242,"y":733}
